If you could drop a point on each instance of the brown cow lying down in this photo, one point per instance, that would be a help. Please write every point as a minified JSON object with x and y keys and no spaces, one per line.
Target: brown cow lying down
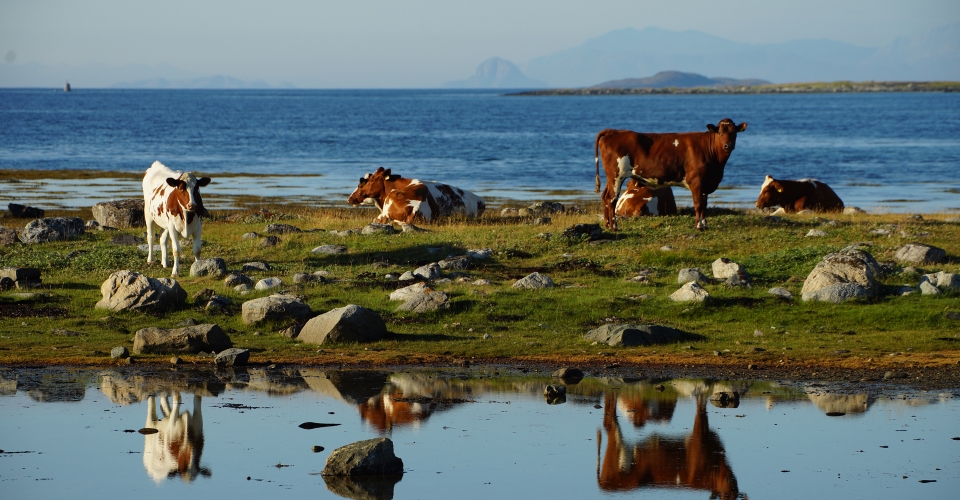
{"x":406,"y":200}
{"x":694,"y":160}
{"x":639,"y":201}
{"x":794,"y":196}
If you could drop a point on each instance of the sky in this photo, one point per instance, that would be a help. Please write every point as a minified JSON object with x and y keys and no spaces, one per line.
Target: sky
{"x":409,"y":44}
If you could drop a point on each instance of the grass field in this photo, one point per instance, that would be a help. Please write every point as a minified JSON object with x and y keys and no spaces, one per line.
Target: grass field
{"x":593,"y":287}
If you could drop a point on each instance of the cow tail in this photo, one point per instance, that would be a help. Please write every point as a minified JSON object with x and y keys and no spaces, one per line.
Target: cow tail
{"x":596,"y":157}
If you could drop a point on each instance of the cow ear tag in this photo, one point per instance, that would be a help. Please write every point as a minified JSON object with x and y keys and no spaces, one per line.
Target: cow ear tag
{"x":779,"y":189}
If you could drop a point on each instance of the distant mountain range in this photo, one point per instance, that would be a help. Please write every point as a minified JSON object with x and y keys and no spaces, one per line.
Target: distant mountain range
{"x":627,"y":54}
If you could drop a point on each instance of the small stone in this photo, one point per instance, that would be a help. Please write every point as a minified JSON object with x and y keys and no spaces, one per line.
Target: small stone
{"x":316,"y":449}
{"x":119,"y":353}
{"x":175,"y":361}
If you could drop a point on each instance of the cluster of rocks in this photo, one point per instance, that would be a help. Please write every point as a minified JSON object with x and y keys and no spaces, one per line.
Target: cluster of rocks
{"x":692,"y":279}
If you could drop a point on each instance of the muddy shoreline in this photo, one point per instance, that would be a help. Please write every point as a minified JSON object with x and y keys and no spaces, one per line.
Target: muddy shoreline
{"x":926,"y":374}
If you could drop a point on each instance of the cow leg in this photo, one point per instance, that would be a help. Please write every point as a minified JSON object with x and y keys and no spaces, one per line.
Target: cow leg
{"x":699,"y":204}
{"x":151,"y":226}
{"x":197,"y":241}
{"x":175,"y":248}
{"x":609,"y":213}
{"x":164,"y":236}
{"x":701,"y":211}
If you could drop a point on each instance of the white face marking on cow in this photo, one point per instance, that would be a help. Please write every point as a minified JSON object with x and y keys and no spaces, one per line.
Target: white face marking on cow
{"x":676,"y":142}
{"x":623,"y":200}
{"x":766,"y":182}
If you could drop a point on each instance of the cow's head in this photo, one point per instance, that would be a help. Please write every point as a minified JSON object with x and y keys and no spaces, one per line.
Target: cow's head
{"x":726,"y":132}
{"x":188,"y":191}
{"x":769,"y":193}
{"x":371,"y":188}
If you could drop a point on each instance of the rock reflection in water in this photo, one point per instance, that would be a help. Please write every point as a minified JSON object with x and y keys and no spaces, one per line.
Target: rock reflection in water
{"x":841,"y":403}
{"x":176,"y":448}
{"x":695,"y":461}
{"x":363,"y":487}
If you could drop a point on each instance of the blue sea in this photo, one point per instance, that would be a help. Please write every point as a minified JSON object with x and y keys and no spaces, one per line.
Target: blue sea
{"x":884,"y":152}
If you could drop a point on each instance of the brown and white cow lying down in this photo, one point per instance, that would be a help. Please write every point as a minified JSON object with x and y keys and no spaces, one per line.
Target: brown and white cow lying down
{"x":172,"y":202}
{"x":406,"y":200}
{"x":640,"y":201}
{"x":694,"y":160}
{"x":794,"y":196}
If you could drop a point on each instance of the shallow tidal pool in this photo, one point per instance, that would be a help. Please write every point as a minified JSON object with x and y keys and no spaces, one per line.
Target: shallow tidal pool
{"x":485,"y":432}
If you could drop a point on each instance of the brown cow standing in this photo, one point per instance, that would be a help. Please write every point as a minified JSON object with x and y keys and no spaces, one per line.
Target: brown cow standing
{"x":640,"y":201}
{"x":694,"y":160}
{"x":697,"y":461}
{"x":794,"y":196}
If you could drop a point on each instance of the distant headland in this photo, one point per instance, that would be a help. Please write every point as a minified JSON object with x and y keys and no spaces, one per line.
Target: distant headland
{"x":675,"y":82}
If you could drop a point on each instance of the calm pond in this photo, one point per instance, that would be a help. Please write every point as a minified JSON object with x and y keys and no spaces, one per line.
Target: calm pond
{"x":486,"y":432}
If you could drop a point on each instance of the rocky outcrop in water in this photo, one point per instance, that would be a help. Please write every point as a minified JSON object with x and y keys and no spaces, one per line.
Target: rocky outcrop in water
{"x":363,"y":458}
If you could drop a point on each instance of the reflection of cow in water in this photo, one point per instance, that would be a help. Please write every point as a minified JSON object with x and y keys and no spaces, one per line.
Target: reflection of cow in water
{"x":175,"y":449}
{"x":695,"y":462}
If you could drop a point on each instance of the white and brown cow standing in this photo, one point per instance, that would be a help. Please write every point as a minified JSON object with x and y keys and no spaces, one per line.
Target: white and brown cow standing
{"x":794,"y":196}
{"x":694,"y":160}
{"x":406,"y":200}
{"x":172,"y":203}
{"x":641,"y":201}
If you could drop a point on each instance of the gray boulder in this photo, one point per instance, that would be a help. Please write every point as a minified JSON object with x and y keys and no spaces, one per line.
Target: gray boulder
{"x":409,"y":292}
{"x":274,"y":308}
{"x":255,"y":266}
{"x":188,"y":340}
{"x":214,"y":266}
{"x":120,"y":214}
{"x":281,"y":229}
{"x":928,"y":288}
{"x":428,"y":272}
{"x":942,"y":280}
{"x":127,"y":290}
{"x":268,"y":283}
{"x":850,"y":265}
{"x":634,"y":335}
{"x":119,"y":353}
{"x":724,"y":268}
{"x":838,"y":292}
{"x":352,"y":323}
{"x":330,"y":249}
{"x":376,"y":228}
{"x":480,"y":253}
{"x":52,"y":229}
{"x":232,"y":357}
{"x":589,"y":231}
{"x":690,"y":292}
{"x":455,"y":263}
{"x":569,"y":376}
{"x":8,"y":236}
{"x":915,"y":253}
{"x":307,"y":278}
{"x":364,"y":458}
{"x":534,"y":281}
{"x":691,"y":274}
{"x":427,"y":300}
{"x":234,"y":279}
{"x":783,"y":293}
{"x":23,"y":211}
